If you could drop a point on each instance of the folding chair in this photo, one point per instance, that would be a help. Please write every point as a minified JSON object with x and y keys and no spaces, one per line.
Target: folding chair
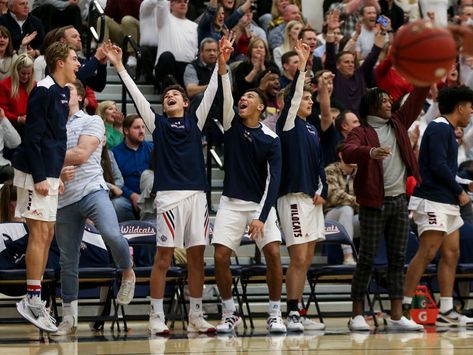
{"x":335,"y":272}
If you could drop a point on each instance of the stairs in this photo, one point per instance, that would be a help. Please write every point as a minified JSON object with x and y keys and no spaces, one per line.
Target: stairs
{"x":113,"y":91}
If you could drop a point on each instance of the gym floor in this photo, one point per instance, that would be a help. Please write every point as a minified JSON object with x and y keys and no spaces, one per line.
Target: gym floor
{"x":25,"y":339}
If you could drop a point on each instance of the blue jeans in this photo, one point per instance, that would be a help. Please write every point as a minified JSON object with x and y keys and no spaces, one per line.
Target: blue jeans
{"x":70,"y":223}
{"x":123,"y":209}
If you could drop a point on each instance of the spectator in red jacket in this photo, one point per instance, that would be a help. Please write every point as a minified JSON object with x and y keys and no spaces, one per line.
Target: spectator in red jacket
{"x":14,"y":91}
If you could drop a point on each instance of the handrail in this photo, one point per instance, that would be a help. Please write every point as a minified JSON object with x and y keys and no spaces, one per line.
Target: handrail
{"x":212,"y":156}
{"x":128,"y":40}
{"x":92,"y":33}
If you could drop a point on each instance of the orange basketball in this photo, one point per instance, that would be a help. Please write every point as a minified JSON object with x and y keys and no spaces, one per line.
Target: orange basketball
{"x":423,"y":53}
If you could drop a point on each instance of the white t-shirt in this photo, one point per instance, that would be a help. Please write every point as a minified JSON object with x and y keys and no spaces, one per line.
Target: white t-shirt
{"x":175,"y":35}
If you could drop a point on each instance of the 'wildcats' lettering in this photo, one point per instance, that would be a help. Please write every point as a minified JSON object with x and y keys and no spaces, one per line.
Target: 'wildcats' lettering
{"x":432,"y":217}
{"x":296,"y":222}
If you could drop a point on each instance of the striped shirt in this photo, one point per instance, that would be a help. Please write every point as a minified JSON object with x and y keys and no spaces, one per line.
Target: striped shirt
{"x":88,"y":176}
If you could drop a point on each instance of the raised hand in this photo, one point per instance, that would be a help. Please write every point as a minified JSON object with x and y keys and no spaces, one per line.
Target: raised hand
{"x":225,"y":46}
{"x":28,"y":38}
{"x":303,"y":52}
{"x":325,"y":79}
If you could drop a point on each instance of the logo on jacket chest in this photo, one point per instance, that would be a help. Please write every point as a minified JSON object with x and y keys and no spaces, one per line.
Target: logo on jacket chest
{"x":247,"y":135}
{"x":311,"y":130}
{"x":177,"y":125}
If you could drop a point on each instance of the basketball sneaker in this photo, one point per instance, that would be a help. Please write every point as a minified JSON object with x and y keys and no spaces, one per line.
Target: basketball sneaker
{"x":126,"y":292}
{"x":404,"y":324}
{"x":358,"y":324}
{"x":294,"y":322}
{"x":406,"y":310}
{"x":37,"y":314}
{"x":198,"y":324}
{"x":275,"y":324}
{"x":453,"y":319}
{"x":308,"y":323}
{"x":68,"y":326}
{"x":229,"y":322}
{"x":157,"y":324}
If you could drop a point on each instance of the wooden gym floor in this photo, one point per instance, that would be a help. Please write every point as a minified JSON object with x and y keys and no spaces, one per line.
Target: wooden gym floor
{"x":22,"y":339}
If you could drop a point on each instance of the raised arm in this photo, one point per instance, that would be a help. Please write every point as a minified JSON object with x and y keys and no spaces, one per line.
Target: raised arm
{"x":225,"y":50}
{"x":292,"y":101}
{"x":324,"y":99}
{"x":143,"y":107}
{"x":163,"y":13}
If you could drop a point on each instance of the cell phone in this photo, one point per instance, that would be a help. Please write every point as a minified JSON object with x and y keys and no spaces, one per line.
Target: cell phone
{"x":383,"y":21}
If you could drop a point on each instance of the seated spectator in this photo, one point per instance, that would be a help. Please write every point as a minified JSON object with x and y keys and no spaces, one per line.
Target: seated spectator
{"x":148,"y":196}
{"x":113,"y":120}
{"x":213,"y":22}
{"x":9,"y":138}
{"x":291,"y":34}
{"x":198,"y":72}
{"x":7,"y":55}
{"x":256,"y":60}
{"x":290,"y":61}
{"x":276,"y":35}
{"x":58,"y":13}
{"x":244,"y":32}
{"x":20,"y":22}
{"x":112,"y":176}
{"x":268,"y":83}
{"x":148,"y":38}
{"x":341,"y":205}
{"x":133,"y":157}
{"x":14,"y":91}
{"x":8,"y":203}
{"x":122,"y":20}
{"x":177,"y":42}
{"x":274,"y":19}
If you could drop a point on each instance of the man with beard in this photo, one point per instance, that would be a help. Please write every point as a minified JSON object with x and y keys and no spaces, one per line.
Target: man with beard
{"x":268,"y":83}
{"x":133,"y":157}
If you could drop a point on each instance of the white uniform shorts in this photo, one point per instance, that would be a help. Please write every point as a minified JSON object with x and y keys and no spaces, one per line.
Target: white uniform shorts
{"x":185,"y":225}
{"x":230,"y":225}
{"x":301,"y":220}
{"x":430,"y":215}
{"x":30,"y":204}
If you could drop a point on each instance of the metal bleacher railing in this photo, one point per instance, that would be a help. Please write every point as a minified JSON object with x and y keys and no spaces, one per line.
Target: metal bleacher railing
{"x":96,"y":16}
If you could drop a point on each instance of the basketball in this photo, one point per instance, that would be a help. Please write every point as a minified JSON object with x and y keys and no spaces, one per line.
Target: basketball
{"x":423,"y":53}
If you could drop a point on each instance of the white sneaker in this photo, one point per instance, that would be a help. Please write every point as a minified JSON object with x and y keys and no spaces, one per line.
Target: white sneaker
{"x":294,"y":323}
{"x":358,"y":324}
{"x":68,"y":326}
{"x":156,"y":324}
{"x":453,"y":319}
{"x":127,"y":291}
{"x":404,"y":324}
{"x":229,"y":322}
{"x":198,"y":324}
{"x":275,"y":324}
{"x":37,"y":314}
{"x":131,"y":61}
{"x":349,"y":261}
{"x":310,"y":324}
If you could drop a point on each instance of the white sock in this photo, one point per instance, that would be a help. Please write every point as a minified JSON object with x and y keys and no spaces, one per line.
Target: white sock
{"x":195,"y":305}
{"x":157,"y":305}
{"x":299,"y":305}
{"x":407,"y":300}
{"x":274,"y":308}
{"x":446,"y":304}
{"x":70,"y":309}
{"x":229,"y":306}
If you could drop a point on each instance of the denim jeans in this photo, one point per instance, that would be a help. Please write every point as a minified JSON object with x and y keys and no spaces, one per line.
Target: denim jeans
{"x":70,"y":223}
{"x":123,"y":209}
